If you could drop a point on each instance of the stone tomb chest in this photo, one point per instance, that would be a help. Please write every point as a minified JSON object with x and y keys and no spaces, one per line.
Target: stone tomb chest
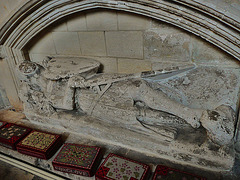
{"x":166,"y":113}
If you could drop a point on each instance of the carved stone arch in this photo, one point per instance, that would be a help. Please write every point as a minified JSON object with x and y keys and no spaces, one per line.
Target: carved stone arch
{"x":34,"y":16}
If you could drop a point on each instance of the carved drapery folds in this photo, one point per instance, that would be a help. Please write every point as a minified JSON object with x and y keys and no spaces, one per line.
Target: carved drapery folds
{"x":195,"y":17}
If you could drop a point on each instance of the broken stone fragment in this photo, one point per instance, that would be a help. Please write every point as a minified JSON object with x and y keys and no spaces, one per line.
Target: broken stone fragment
{"x":219,"y":124}
{"x":65,"y":67}
{"x":28,"y":68}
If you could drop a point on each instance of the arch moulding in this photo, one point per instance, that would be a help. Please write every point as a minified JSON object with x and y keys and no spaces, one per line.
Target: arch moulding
{"x":34,"y":16}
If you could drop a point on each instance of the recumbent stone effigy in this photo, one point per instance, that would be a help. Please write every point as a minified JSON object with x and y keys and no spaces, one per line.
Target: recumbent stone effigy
{"x":131,"y":102}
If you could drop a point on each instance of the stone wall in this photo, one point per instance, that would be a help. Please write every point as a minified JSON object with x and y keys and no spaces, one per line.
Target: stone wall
{"x":4,"y":103}
{"x":7,"y":7}
{"x":125,"y":42}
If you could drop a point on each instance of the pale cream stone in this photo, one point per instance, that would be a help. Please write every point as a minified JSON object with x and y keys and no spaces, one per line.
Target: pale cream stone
{"x":159,"y":46}
{"x":164,"y":27}
{"x":171,"y":65}
{"x":7,"y":83}
{"x":106,"y":20}
{"x":130,"y":21}
{"x":44,"y":45}
{"x":60,"y":27}
{"x":10,"y":4}
{"x":108,"y":65}
{"x":77,"y":23}
{"x":7,"y":6}
{"x":3,"y":11}
{"x":133,"y":65}
{"x":38,"y":58}
{"x":203,"y":53}
{"x":125,"y":44}
{"x":92,"y":43}
{"x":67,"y":43}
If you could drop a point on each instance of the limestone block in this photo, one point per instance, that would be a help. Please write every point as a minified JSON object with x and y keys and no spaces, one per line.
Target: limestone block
{"x":160,"y":46}
{"x":77,"y":23}
{"x":66,"y":67}
{"x":67,"y":43}
{"x":125,"y":44}
{"x":108,"y":65}
{"x":3,"y":12}
{"x":38,"y":58}
{"x":7,"y":83}
{"x":60,"y":27}
{"x":205,"y":53}
{"x":43,"y":45}
{"x":9,"y":5}
{"x":4,"y":103}
{"x":104,"y":20}
{"x":165,"y":28}
{"x":92,"y":43}
{"x":128,"y":21}
{"x":133,"y":65}
{"x":6,"y":7}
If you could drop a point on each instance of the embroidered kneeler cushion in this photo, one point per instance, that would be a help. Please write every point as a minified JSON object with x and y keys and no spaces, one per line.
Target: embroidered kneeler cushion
{"x":11,"y":134}
{"x":164,"y":172}
{"x":119,"y":168}
{"x":40,"y":144}
{"x":77,"y":159}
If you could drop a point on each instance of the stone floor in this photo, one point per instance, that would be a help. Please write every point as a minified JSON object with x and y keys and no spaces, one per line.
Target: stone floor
{"x":9,"y":172}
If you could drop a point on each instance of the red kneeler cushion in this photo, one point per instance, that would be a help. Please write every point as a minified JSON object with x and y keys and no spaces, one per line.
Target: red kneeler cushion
{"x":11,"y":134}
{"x":40,"y":144}
{"x":164,"y":172}
{"x":116,"y":167}
{"x":77,"y":159}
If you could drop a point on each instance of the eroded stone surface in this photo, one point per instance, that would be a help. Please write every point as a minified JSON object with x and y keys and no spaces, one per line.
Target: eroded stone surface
{"x":191,"y":147}
{"x":162,"y":46}
{"x":207,"y":87}
{"x":219,"y":124}
{"x":68,"y":67}
{"x":135,"y":111}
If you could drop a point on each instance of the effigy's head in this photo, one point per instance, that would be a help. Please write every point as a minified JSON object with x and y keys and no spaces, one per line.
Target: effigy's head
{"x":28,"y":68}
{"x":66,"y":67}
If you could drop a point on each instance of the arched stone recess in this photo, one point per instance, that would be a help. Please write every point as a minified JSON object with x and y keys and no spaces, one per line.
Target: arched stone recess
{"x":34,"y":16}
{"x":212,"y":26}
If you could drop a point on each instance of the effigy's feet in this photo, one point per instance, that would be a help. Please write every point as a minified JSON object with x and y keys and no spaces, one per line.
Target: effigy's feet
{"x":192,"y":116}
{"x":219,"y":124}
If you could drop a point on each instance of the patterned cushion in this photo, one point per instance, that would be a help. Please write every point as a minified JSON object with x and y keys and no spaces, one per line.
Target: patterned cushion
{"x":40,"y":144}
{"x":81,"y":158}
{"x":11,"y":134}
{"x":120,"y":168}
{"x":164,"y":172}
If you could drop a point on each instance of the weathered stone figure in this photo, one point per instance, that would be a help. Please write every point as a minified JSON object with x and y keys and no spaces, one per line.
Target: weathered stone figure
{"x":74,"y":83}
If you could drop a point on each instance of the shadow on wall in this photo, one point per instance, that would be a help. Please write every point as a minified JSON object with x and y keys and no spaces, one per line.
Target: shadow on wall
{"x":4,"y":102}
